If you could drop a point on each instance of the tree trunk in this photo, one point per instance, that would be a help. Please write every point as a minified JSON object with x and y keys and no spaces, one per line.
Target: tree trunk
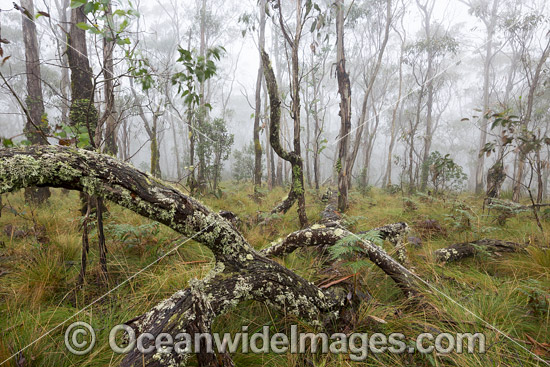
{"x":152,"y":132}
{"x":412,"y":134}
{"x":363,"y":121}
{"x":179,"y":173}
{"x":344,"y":90}
{"x":370,"y":138}
{"x":64,"y":83}
{"x":533,"y":85}
{"x":202,"y":113}
{"x":495,"y":179}
{"x":317,"y":147}
{"x":490,"y":26}
{"x":297,"y":190}
{"x":426,"y":14}
{"x":393,"y":129}
{"x":270,"y":160}
{"x":258,"y":104}
{"x":82,"y":111}
{"x":108,"y":118}
{"x":155,"y":148}
{"x":36,"y":127}
{"x":298,"y":167}
{"x":308,"y":140}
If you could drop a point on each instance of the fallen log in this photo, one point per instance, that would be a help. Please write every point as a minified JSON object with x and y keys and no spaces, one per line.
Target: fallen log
{"x":330,"y":213}
{"x":240,"y":272}
{"x":459,"y":251}
{"x":324,"y":235}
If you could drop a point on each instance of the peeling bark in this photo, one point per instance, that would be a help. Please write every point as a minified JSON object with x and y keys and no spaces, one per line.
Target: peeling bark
{"x":108,"y":76}
{"x":344,"y":90}
{"x":297,"y":188}
{"x":258,"y":106}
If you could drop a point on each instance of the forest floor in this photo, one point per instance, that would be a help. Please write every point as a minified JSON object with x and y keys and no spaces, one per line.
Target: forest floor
{"x":39,"y":271}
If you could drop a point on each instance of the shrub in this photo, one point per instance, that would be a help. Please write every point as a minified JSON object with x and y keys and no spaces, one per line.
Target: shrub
{"x":444,"y":173}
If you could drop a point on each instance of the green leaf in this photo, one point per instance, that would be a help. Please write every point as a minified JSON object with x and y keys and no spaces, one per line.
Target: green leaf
{"x":313,"y":26}
{"x":77,"y":3}
{"x":119,"y":12}
{"x":8,"y":143}
{"x":123,"y":41}
{"x":83,"y":25}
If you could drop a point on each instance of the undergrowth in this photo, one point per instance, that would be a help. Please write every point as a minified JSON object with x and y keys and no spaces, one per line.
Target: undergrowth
{"x":38,"y":278}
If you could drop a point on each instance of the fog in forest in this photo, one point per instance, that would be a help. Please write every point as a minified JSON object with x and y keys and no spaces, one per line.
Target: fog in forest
{"x":371,"y":170}
{"x":429,"y":78}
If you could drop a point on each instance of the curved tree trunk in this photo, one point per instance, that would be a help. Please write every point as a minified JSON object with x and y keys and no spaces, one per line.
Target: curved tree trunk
{"x":294,"y":158}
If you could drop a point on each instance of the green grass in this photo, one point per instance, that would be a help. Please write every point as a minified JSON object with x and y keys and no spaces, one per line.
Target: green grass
{"x":38,"y":289}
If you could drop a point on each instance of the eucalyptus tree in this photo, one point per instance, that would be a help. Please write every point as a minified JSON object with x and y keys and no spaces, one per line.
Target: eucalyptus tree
{"x":303,"y":13}
{"x":258,"y":101}
{"x":316,"y":92}
{"x":378,"y":34}
{"x":426,"y":58}
{"x":530,"y":31}
{"x":487,"y":12}
{"x":344,"y":89}
{"x":397,"y":110}
{"x":36,"y":128}
{"x":108,"y":117}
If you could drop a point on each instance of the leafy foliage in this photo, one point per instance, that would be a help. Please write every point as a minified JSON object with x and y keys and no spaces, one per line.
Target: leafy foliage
{"x":444,"y":173}
{"x":130,"y":234}
{"x":196,"y":70}
{"x":213,"y":147}
{"x":515,"y":135}
{"x":111,"y":26}
{"x":73,"y":135}
{"x":461,"y":217}
{"x":505,"y":210}
{"x":538,"y":299}
{"x":349,"y":249}
{"x":243,"y":164}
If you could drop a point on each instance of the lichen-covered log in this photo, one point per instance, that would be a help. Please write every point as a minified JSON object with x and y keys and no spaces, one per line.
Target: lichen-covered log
{"x":327,"y":234}
{"x":240,"y":272}
{"x":216,"y":296}
{"x":108,"y":178}
{"x":459,"y":251}
{"x":330,"y":213}
{"x":323,"y":235}
{"x":396,"y":233}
